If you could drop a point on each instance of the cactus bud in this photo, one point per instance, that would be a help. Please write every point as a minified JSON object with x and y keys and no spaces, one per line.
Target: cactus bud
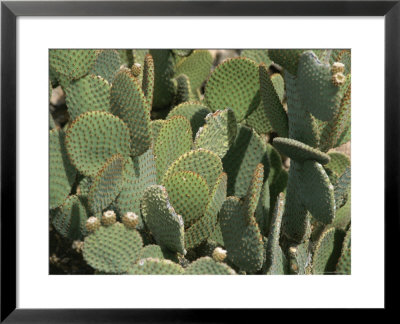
{"x":130,"y":220}
{"x":338,"y":79}
{"x":219,"y":254}
{"x":92,"y":224}
{"x":136,"y":69}
{"x":337,"y":67}
{"x":108,"y":217}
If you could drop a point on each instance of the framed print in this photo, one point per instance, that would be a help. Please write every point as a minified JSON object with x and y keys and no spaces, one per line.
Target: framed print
{"x":257,"y":140}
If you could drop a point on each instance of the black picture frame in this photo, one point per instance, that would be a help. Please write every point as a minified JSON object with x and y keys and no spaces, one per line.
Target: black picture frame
{"x":9,"y":13}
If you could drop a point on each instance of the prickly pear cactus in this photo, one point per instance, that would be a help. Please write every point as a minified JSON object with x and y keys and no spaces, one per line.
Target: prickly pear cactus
{"x":174,"y":161}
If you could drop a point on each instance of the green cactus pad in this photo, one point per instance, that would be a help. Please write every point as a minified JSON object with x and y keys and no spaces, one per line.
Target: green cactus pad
{"x":156,"y":126}
{"x":182,"y":89}
{"x":196,"y":67}
{"x":288,"y":59}
{"x":244,"y":155}
{"x":258,"y":120}
{"x":219,"y":132}
{"x":272,"y":103}
{"x":173,"y":140}
{"x":194,"y":111}
{"x":338,"y":163}
{"x":327,"y":251}
{"x":275,"y":163}
{"x":188,"y":193}
{"x":126,"y":56}
{"x":153,"y":266}
{"x":234,"y":84}
{"x":156,"y":252}
{"x":207,"y":266}
{"x":254,"y":191}
{"x":274,"y":256}
{"x":182,"y":52}
{"x":129,"y":103}
{"x":107,"y":65}
{"x":296,"y":218}
{"x":302,"y":126}
{"x":87,"y":94}
{"x":62,"y":172}
{"x":205,"y":226}
{"x":148,"y":79}
{"x":164,"y":73}
{"x":93,"y":138}
{"x":112,"y":249}
{"x":342,"y":188}
{"x":72,"y":64}
{"x":241,"y":235}
{"x":201,"y":161}
{"x":333,"y":130}
{"x":257,"y":55}
{"x":299,"y":151}
{"x":263,"y":209}
{"x":299,"y":258}
{"x":70,"y":219}
{"x":152,"y":251}
{"x":279,"y":85}
{"x":343,"y":214}
{"x":165,"y":224}
{"x":106,"y":184}
{"x":317,"y":192}
{"x":139,"y":173}
{"x":343,"y":266}
{"x":317,"y":92}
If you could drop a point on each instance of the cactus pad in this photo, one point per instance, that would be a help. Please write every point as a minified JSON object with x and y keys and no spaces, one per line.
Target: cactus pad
{"x":296,"y":218}
{"x":188,"y":193}
{"x":274,"y":256}
{"x":244,"y":155}
{"x":72,"y":64}
{"x":70,"y":219}
{"x":87,"y":94}
{"x":148,"y":78}
{"x":207,"y":266}
{"x":241,"y":235}
{"x":257,"y":55}
{"x":162,"y":220}
{"x":173,"y":140}
{"x":154,"y":266}
{"x":112,"y":249}
{"x":196,"y":67}
{"x":302,"y":126}
{"x":317,"y":92}
{"x":299,"y":151}
{"x":139,"y":173}
{"x":288,"y":59}
{"x":107,"y":65}
{"x":201,"y":161}
{"x":218,"y":133}
{"x":272,"y":103}
{"x":234,"y":84}
{"x":129,"y":103}
{"x":205,"y":226}
{"x":194,"y":111}
{"x":62,"y":172}
{"x":93,"y":138}
{"x":327,"y":251}
{"x":106,"y":184}
{"x":318,"y":192}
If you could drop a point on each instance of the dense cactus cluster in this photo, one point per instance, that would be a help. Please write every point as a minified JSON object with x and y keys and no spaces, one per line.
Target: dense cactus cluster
{"x":171,"y":163}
